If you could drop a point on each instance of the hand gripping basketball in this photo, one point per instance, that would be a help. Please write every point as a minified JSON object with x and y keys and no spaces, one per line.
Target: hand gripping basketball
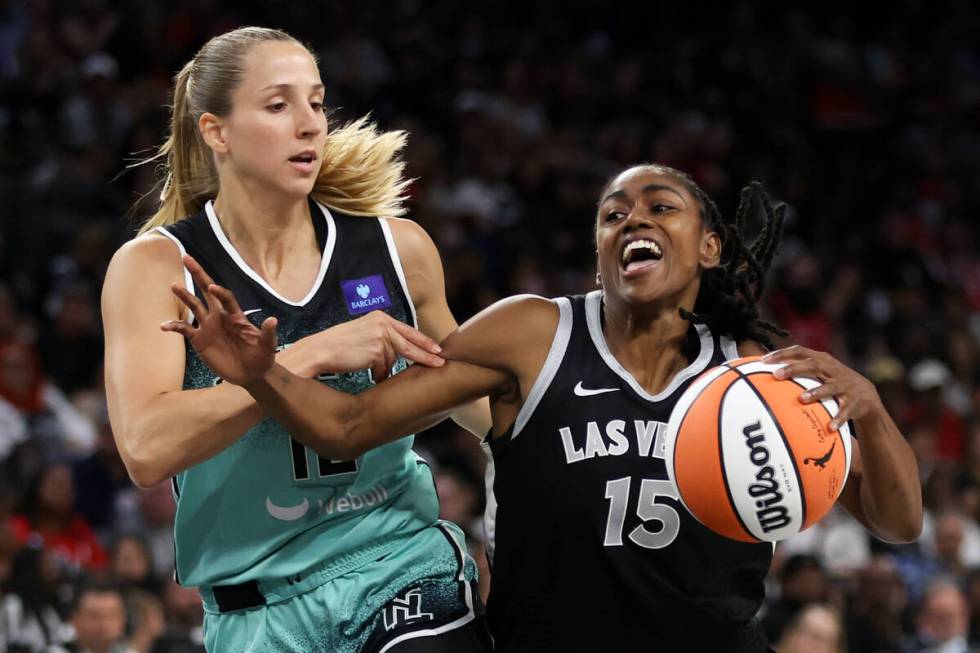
{"x":751,"y":459}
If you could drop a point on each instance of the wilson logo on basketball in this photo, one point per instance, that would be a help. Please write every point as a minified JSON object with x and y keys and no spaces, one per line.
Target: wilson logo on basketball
{"x":772,"y":514}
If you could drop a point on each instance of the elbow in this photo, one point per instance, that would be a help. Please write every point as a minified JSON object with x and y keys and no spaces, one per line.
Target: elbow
{"x":145,"y":469}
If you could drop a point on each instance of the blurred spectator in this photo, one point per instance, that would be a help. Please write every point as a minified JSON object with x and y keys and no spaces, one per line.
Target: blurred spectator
{"x":101,"y":477}
{"x":149,"y":513}
{"x":184,"y":633}
{"x":71,"y":344}
{"x":942,"y":621}
{"x":927,"y":379}
{"x":802,"y":580}
{"x":816,"y":628}
{"x":147,"y":621}
{"x":131,"y":565}
{"x":838,"y":541}
{"x":47,"y":516}
{"x":98,"y":619}
{"x":30,"y":610}
{"x":874,"y":611}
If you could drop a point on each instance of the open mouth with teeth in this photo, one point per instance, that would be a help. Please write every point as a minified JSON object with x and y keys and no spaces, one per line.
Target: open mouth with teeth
{"x":640,"y":254}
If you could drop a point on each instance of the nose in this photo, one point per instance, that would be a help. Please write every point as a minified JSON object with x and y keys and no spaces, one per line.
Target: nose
{"x":308,"y":122}
{"x":639,"y":217}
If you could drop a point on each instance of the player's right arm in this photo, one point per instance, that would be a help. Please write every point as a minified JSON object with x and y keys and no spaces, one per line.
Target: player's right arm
{"x":162,"y":429}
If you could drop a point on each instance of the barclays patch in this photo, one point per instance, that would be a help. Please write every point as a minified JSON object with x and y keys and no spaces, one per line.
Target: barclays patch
{"x":366,"y":294}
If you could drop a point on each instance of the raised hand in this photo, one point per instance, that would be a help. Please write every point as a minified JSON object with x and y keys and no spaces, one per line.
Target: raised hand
{"x":856,"y":396}
{"x":234,"y":348}
{"x":373,"y":341}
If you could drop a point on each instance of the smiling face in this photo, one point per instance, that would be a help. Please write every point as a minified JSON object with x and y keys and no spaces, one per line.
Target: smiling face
{"x":274,"y":135}
{"x":651,"y":240}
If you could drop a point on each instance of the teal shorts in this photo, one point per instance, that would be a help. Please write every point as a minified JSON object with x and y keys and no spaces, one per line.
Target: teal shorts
{"x":423,"y":587}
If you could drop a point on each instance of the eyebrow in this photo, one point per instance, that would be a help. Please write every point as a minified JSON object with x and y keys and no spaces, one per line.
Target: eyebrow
{"x":316,"y":87}
{"x":649,"y":188}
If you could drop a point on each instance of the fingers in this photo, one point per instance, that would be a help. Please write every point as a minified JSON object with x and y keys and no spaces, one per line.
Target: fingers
{"x":191,"y":301}
{"x":795,"y":352}
{"x":806,"y":367}
{"x":415,"y":337}
{"x":179,"y":326}
{"x":410,"y":350}
{"x":268,"y":338}
{"x":201,"y":278}
{"x":821,"y":392}
{"x":843,"y":414}
{"x":226,"y":298}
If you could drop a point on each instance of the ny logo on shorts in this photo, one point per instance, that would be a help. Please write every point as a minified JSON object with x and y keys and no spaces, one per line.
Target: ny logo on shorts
{"x":405,"y":609}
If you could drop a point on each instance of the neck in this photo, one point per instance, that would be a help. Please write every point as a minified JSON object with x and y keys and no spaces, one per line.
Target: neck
{"x":648,"y":344}
{"x":265,"y":228}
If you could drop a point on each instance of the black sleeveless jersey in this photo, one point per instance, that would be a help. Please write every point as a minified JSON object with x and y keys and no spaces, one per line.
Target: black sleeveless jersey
{"x":593,"y":549}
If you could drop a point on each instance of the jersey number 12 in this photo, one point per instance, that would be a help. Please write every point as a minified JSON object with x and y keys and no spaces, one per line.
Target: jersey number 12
{"x":325,"y":466}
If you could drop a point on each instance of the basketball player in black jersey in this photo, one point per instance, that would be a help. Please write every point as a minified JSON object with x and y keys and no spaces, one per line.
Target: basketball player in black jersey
{"x":593,"y":550}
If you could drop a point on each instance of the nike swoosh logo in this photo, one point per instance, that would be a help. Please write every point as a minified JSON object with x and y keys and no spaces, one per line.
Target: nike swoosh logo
{"x":588,"y":392}
{"x":287,"y":513}
{"x":251,"y":310}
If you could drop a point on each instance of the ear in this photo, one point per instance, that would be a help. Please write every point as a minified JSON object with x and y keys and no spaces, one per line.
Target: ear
{"x":213,"y":131}
{"x":710,"y":254}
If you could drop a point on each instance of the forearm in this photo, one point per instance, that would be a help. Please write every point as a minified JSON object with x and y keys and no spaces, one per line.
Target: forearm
{"x":890,"y":493}
{"x":342,"y":426}
{"x":183,"y":428}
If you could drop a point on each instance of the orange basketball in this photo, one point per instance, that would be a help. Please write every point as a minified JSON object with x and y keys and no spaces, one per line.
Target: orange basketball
{"x":750,"y":460}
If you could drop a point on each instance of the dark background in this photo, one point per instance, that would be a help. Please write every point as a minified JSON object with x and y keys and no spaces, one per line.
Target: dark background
{"x":864,"y":120}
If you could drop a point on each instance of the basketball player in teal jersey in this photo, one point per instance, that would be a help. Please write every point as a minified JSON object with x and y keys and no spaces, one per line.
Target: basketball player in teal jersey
{"x":291,"y":551}
{"x":593,"y":549}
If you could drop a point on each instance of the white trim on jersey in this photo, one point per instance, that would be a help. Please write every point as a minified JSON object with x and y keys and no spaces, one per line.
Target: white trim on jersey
{"x":188,"y":280}
{"x":397,"y":262}
{"x":551,"y":364}
{"x":729,"y":347}
{"x":255,"y":276}
{"x":467,"y":596}
{"x":490,"y":511}
{"x":593,"y":306}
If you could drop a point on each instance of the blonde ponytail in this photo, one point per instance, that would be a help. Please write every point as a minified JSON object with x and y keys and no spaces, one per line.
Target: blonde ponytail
{"x":361,"y":172}
{"x":190,"y":178}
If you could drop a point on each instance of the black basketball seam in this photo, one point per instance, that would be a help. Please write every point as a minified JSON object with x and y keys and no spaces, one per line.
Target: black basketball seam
{"x":779,"y":429}
{"x":680,"y":423}
{"x":840,"y":436}
{"x":721,"y":458}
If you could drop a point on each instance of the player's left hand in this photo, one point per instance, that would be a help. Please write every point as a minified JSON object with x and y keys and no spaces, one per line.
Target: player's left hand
{"x":856,"y":395}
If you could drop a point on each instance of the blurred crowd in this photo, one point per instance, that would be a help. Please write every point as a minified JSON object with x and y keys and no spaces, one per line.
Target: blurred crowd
{"x":864,"y":121}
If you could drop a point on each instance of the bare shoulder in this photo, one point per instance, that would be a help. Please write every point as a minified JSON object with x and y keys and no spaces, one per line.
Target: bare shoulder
{"x":144,"y":267}
{"x":511,"y":334}
{"x":412,"y":240}
{"x":150,"y":253}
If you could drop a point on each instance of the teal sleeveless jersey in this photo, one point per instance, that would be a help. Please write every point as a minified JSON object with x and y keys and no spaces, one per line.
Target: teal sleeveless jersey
{"x":267,"y":507}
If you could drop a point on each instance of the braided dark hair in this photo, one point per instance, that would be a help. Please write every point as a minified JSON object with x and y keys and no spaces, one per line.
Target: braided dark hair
{"x":729,"y":294}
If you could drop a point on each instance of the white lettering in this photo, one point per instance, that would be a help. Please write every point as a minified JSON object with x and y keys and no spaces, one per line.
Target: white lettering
{"x":614,"y":431}
{"x":572,"y":455}
{"x":645,"y":432}
{"x":594,"y":444}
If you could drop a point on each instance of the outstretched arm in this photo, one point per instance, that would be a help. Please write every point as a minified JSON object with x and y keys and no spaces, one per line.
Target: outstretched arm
{"x":883,"y":491}
{"x":427,"y":284}
{"x":486,"y":360}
